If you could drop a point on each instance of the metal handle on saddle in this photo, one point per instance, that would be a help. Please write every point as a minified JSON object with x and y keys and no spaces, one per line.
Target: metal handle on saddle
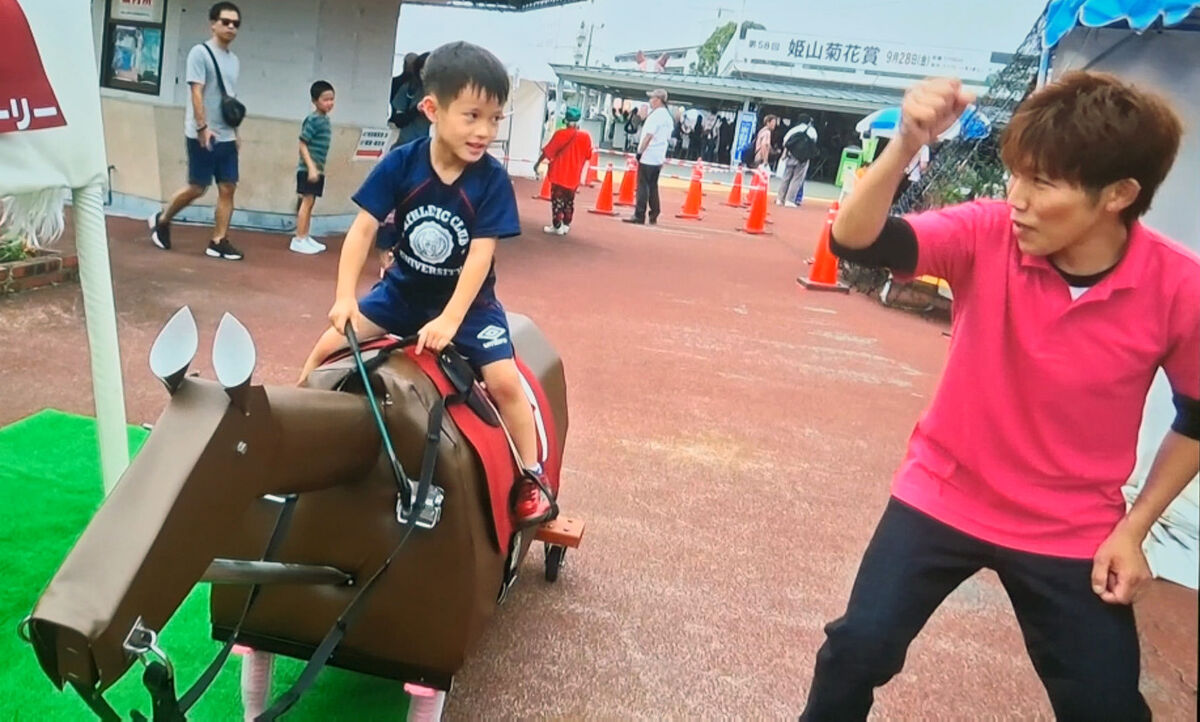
{"x":430,"y":512}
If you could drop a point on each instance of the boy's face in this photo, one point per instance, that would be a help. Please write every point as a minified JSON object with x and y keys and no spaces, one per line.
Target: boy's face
{"x":1051,"y":214}
{"x":468,"y":124}
{"x":324,"y":103}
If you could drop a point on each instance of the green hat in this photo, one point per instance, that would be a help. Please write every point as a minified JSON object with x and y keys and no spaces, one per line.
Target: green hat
{"x":572,"y":114}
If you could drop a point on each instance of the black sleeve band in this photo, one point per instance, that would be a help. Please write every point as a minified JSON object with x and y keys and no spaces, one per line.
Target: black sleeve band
{"x":895,"y":248}
{"x":1187,"y":417}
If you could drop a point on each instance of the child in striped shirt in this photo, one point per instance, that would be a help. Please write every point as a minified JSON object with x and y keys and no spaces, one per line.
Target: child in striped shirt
{"x":315,"y":135}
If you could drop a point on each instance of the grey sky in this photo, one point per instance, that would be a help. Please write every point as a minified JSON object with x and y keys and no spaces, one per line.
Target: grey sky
{"x":530,"y":40}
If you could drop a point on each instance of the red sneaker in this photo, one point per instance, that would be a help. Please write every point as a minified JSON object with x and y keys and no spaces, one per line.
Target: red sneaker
{"x":533,"y":504}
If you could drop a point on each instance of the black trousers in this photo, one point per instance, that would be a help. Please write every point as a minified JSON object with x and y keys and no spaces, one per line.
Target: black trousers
{"x":1084,"y":650}
{"x":647,"y":192}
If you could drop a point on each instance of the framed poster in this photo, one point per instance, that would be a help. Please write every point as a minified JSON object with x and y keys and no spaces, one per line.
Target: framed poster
{"x":133,"y":45}
{"x":747,"y":120}
{"x":145,"y":11}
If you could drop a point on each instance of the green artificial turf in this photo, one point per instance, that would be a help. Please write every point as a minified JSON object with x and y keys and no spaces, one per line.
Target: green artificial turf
{"x":50,"y":486}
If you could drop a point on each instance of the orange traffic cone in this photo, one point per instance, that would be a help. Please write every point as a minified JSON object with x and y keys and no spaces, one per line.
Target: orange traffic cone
{"x":823,"y":274}
{"x":691,"y":205}
{"x":628,"y":185}
{"x":604,"y":201}
{"x":545,"y":194}
{"x":757,"y":220}
{"x":735,"y":193}
{"x":755,"y":180}
{"x":765,"y":185}
{"x":593,"y":166}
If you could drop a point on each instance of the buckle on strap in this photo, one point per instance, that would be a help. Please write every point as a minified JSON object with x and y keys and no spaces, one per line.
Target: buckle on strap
{"x":142,"y":643}
{"x":430,"y":512}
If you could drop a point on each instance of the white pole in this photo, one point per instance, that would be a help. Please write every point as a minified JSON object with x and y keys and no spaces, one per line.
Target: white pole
{"x":95,"y":276}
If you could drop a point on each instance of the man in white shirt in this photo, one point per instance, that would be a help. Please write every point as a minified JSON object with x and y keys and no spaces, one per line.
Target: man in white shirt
{"x":652,"y":151}
{"x":799,"y":147}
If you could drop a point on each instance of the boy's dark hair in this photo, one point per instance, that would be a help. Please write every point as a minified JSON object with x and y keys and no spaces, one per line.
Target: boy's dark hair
{"x":319,"y":87}
{"x":459,"y":65}
{"x":1092,"y":129}
{"x":214,"y":13}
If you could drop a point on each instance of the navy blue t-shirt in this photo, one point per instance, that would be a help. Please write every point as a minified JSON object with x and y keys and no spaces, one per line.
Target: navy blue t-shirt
{"x":435,"y":222}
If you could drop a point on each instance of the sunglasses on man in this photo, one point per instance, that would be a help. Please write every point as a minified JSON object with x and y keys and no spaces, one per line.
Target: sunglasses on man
{"x":231,"y":23}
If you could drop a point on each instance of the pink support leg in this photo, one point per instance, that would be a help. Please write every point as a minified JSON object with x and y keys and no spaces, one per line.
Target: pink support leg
{"x":256,"y":680}
{"x":425,"y":704}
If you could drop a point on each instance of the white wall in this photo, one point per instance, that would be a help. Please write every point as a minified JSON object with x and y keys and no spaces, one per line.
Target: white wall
{"x":522,"y":127}
{"x":1168,"y":62}
{"x":284,"y":45}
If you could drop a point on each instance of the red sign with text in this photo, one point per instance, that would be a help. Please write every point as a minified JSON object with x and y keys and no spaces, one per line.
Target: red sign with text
{"x":27,"y":101}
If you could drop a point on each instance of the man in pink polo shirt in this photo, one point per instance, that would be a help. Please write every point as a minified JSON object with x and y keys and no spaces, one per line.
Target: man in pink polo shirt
{"x":1065,"y":307}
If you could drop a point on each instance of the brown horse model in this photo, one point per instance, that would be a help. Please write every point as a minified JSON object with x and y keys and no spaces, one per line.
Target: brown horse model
{"x":207,"y":492}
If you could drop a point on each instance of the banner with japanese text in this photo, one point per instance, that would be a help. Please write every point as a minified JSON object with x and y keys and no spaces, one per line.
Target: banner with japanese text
{"x":51,"y":136}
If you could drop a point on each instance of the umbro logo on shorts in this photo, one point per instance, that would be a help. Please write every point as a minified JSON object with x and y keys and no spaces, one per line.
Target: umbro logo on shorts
{"x":493,"y":336}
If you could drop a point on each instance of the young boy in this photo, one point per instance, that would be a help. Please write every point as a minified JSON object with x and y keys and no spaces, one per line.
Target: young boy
{"x":315,"y":135}
{"x":1067,"y":306}
{"x":568,"y":153}
{"x":451,"y":202}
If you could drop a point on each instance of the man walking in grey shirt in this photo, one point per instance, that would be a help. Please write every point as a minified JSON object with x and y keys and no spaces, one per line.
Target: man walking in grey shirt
{"x":212,"y":144}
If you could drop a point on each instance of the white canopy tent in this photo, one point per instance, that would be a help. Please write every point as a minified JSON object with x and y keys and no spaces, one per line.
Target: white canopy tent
{"x":51,"y":129}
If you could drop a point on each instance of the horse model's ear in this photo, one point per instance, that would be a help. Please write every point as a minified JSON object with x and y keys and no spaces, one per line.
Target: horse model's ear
{"x":174,"y":349}
{"x":233,"y":358}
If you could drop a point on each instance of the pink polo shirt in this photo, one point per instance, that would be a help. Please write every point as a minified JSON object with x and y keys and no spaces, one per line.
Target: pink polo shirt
{"x":1034,"y":426}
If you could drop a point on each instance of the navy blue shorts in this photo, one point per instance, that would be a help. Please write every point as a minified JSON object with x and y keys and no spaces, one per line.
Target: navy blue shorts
{"x":306,"y":188}
{"x":204,"y":165}
{"x":482,"y":338}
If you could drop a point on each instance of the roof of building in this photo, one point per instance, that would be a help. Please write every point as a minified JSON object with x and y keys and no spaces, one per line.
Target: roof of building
{"x":677,"y":52}
{"x":507,"y":5}
{"x":699,"y":89}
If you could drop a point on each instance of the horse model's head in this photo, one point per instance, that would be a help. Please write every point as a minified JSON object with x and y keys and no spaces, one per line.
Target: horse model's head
{"x":217,"y":447}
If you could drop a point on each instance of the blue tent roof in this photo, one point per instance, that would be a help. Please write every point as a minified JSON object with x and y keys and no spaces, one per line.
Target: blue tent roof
{"x":1063,"y":15}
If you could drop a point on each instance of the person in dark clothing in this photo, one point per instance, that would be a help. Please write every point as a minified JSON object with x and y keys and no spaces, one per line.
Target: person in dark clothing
{"x":407,"y":94}
{"x":726,"y":141}
{"x":697,"y":140}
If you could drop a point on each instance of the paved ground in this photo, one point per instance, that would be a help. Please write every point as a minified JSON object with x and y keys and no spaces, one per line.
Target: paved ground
{"x":731,"y":445}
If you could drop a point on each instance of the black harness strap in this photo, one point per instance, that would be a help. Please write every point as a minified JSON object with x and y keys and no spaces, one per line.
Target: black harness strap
{"x":161,"y":685}
{"x":282,"y":522}
{"x":95,"y":701}
{"x":324,"y":651}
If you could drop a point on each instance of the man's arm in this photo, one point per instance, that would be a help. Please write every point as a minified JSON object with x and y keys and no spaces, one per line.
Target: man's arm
{"x":202,"y":132}
{"x":928,"y":110}
{"x":440,"y":331}
{"x":1120,"y":567}
{"x":647,"y":136}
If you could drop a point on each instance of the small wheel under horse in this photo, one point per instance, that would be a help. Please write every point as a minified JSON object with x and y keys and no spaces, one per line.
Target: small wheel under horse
{"x":557,"y":536}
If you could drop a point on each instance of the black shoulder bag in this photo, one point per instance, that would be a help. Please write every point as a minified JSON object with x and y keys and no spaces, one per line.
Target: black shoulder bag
{"x":232,"y":109}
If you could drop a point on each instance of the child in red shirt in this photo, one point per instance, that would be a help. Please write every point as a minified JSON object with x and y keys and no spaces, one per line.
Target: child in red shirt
{"x":568,"y":151}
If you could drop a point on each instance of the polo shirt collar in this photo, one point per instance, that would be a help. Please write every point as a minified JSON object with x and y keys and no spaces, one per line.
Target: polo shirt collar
{"x":1127,"y":274}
